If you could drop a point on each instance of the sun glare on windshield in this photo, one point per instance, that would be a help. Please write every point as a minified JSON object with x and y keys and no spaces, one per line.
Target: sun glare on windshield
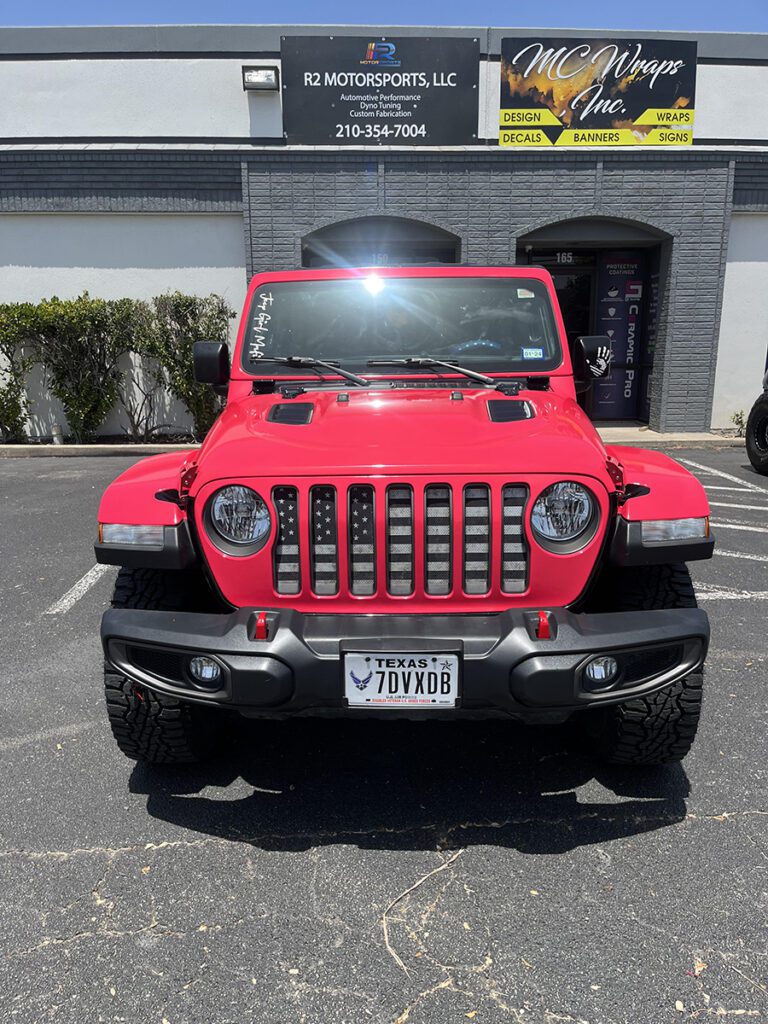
{"x":373,"y":284}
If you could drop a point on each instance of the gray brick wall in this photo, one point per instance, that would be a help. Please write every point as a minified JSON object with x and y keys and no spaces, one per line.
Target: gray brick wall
{"x":750,"y":186}
{"x":119,"y":182}
{"x":490,"y":201}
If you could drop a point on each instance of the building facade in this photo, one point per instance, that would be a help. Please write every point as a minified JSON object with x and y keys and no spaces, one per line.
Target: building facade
{"x":139,"y":160}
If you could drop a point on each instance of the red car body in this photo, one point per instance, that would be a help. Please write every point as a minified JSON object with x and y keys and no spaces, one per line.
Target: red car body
{"x":418,"y":437}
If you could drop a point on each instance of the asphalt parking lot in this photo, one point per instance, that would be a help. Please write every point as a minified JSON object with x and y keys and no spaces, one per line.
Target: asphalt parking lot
{"x":329,"y":872}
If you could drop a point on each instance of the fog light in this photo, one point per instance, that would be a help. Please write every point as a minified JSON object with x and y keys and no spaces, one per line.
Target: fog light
{"x":601,"y":671}
{"x":205,"y":671}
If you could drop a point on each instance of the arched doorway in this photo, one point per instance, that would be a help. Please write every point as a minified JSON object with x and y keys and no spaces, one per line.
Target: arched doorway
{"x":608,"y":274}
{"x":379,"y":241}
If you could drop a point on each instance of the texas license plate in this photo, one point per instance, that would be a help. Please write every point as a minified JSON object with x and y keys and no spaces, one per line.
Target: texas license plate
{"x":375,"y":679}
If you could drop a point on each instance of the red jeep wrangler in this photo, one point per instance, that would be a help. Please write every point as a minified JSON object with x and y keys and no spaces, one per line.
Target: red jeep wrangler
{"x":403,"y":511}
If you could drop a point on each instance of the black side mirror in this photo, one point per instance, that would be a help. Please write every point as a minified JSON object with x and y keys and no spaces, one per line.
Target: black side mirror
{"x":211,"y":363}
{"x":591,"y":359}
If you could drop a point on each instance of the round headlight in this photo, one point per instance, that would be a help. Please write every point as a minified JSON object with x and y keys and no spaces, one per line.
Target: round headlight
{"x":563,"y":512}
{"x":240,"y":516}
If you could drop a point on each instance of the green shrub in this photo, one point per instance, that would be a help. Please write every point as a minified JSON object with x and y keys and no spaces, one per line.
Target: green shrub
{"x":80,"y":342}
{"x":179,"y":321}
{"x":16,"y":334}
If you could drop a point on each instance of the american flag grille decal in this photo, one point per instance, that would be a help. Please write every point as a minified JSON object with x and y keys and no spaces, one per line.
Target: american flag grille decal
{"x":324,"y":540}
{"x":401,"y":539}
{"x":438,"y":540}
{"x":477,"y":539}
{"x":514,"y":547}
{"x":286,"y":556}
{"x":362,"y":540}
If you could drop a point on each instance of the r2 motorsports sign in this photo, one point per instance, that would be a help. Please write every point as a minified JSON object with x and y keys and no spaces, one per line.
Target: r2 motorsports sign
{"x":594,"y":92}
{"x":379,"y":90}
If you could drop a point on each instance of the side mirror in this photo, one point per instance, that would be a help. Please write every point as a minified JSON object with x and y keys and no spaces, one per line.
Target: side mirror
{"x":211,"y":363}
{"x":591,"y":359}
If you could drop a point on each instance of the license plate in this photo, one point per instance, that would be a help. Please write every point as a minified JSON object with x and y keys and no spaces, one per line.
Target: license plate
{"x":375,"y":679}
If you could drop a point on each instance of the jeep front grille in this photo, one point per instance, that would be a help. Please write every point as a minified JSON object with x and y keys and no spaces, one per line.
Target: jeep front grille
{"x":400,"y":539}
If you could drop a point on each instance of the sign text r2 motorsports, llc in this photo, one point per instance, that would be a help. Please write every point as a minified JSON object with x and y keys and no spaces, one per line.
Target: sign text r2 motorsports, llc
{"x":368,"y":91}
{"x":594,"y":92}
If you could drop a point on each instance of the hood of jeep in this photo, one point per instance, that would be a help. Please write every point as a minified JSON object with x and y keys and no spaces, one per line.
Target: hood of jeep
{"x":400,"y":432}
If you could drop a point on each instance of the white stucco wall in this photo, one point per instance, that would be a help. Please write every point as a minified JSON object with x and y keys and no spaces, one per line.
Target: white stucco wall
{"x":743,"y":341}
{"x":205,"y":98}
{"x":118,"y":255}
{"x":60,"y":98}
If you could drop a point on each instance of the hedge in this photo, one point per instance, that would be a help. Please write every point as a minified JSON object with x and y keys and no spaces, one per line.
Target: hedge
{"x":81,"y":345}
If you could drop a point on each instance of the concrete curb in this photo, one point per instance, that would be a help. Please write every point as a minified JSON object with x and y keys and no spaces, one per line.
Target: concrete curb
{"x":22,"y":451}
{"x":639,"y":437}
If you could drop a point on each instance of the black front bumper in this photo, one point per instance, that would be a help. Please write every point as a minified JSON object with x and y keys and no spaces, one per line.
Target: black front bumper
{"x":505,"y":668}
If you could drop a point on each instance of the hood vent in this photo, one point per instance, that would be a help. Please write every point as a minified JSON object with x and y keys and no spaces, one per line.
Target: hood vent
{"x":509,"y":410}
{"x":295,"y":413}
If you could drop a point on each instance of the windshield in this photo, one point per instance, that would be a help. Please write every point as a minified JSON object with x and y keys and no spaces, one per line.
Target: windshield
{"x":502,"y":324}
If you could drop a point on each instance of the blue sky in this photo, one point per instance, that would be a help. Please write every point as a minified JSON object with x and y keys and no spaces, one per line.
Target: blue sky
{"x":678,"y":15}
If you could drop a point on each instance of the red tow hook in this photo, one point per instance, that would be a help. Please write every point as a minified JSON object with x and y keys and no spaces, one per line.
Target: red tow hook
{"x":543,"y":629}
{"x":261,"y":630}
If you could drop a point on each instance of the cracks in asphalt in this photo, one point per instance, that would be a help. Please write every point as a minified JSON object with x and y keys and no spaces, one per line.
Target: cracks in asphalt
{"x":406,"y":892}
{"x":456,"y":975}
{"x":440,"y":830}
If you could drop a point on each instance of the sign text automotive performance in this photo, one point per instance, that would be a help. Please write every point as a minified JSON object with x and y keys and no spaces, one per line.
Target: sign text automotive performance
{"x":597,"y":92}
{"x":358,"y":90}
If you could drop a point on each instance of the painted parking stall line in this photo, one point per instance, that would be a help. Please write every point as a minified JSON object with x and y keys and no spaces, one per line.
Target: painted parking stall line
{"x":746,"y":484}
{"x":739,"y":526}
{"x":741,"y":554}
{"x":735,"y":504}
{"x":73,"y":595}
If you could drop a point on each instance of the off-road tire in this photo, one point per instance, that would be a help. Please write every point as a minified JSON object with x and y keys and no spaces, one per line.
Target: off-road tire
{"x":658,"y":728}
{"x":150,"y":726}
{"x":147,"y":725}
{"x":757,"y":435}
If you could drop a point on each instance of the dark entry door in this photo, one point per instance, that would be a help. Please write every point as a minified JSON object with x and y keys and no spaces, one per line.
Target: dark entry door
{"x":604,"y":291}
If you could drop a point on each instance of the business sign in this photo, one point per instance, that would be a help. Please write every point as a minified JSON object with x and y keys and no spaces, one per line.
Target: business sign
{"x":595,"y":92}
{"x":379,"y":90}
{"x":621,"y":278}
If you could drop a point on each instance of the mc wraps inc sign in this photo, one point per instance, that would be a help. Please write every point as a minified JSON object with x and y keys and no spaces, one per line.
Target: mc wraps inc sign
{"x":597,"y":92}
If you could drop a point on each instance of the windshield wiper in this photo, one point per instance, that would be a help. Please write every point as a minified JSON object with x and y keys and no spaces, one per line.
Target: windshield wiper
{"x":315,"y":364}
{"x":427,"y":361}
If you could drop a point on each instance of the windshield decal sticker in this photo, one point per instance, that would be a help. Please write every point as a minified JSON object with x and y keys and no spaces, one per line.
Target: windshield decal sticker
{"x":260,"y":326}
{"x":533,"y":353}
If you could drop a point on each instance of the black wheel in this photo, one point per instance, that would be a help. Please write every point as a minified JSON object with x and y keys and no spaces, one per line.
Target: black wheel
{"x":757,"y":435}
{"x":147,"y":725}
{"x":660,"y":727}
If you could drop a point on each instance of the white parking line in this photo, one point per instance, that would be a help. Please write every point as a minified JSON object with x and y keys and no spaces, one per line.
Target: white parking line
{"x":74,"y":594}
{"x":739,"y":526}
{"x":725,"y":476}
{"x":735,"y":504}
{"x":717,"y":487}
{"x":741,"y":554}
{"x":705,"y":592}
